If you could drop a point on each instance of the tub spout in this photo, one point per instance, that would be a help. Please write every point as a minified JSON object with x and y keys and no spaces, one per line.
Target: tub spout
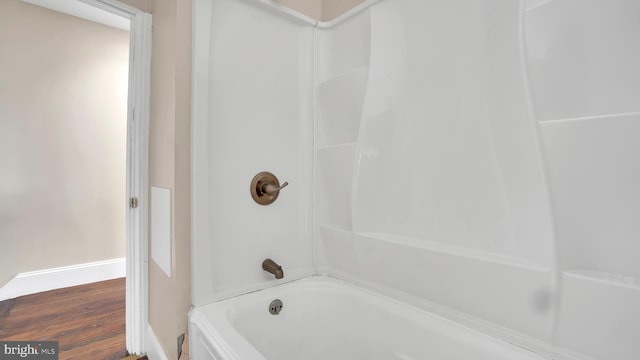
{"x":270,"y":266}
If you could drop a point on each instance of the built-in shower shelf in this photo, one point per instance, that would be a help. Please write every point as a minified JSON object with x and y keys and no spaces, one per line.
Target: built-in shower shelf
{"x":612,"y":279}
{"x":449,"y":249}
{"x":337,"y":146}
{"x":434,"y":246}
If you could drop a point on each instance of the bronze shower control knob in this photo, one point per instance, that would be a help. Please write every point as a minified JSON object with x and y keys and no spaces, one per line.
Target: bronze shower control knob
{"x":265,"y":188}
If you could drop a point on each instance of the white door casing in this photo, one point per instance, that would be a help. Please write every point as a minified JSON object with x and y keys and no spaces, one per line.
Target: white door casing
{"x":137,"y":279}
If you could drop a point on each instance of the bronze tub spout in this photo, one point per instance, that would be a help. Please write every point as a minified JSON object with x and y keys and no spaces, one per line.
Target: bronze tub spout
{"x":270,"y":266}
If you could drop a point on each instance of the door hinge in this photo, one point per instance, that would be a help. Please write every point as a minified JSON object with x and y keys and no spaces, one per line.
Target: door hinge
{"x":133,"y":202}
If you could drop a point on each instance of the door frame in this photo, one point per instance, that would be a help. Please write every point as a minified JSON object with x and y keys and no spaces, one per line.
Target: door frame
{"x":137,"y":245}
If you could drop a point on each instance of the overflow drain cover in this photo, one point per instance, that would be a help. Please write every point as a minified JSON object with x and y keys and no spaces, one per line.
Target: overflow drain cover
{"x":275,"y":307}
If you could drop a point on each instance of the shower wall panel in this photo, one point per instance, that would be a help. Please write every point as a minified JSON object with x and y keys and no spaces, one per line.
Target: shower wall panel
{"x":583,"y":57}
{"x":496,"y":169}
{"x":259,"y":115}
{"x":583,"y":61}
{"x":448,"y":200}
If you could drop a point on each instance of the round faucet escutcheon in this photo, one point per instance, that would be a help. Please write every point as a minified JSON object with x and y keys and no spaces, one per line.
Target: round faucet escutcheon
{"x":265,"y":188}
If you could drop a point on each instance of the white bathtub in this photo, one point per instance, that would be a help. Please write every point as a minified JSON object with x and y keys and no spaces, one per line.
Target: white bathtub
{"x":324,"y":318}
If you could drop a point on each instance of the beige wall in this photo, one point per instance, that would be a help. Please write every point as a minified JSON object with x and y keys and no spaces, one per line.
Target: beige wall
{"x":63,"y":98}
{"x":144,"y":5}
{"x":334,"y":8}
{"x":169,"y":164}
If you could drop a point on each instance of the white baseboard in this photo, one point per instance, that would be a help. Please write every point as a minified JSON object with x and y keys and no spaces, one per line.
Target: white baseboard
{"x":154,"y":349}
{"x":62,"y":277}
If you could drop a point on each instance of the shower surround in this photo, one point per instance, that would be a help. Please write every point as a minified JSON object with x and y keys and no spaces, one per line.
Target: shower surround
{"x":475,"y":159}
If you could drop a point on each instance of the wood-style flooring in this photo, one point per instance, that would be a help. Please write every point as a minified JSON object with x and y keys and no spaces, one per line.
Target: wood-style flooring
{"x":88,"y":321}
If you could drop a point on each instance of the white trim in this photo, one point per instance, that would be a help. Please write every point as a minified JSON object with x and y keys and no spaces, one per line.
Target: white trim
{"x":85,"y":11}
{"x":347,"y":15}
{"x":115,"y":7}
{"x":57,"y":278}
{"x":154,"y":349}
{"x":285,"y":11}
{"x":138,"y":184}
{"x":201,"y":33}
{"x":297,"y":16}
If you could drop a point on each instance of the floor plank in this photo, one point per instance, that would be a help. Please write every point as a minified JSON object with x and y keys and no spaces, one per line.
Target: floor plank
{"x":88,"y":321}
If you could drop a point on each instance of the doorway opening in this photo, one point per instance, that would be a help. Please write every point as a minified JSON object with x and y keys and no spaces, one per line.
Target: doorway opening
{"x":63,"y":102}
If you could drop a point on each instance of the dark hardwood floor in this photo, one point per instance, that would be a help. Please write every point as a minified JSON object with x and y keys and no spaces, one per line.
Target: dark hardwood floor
{"x":88,"y":321}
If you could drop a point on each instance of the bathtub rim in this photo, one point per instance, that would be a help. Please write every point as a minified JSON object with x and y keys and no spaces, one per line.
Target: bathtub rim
{"x":234,"y":346}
